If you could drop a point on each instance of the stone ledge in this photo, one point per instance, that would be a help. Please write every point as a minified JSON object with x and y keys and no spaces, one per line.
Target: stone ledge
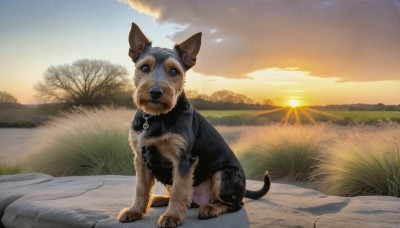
{"x":39,"y":200}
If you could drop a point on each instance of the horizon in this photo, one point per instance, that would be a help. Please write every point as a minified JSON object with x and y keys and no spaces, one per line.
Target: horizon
{"x":320,"y":53}
{"x":290,"y":104}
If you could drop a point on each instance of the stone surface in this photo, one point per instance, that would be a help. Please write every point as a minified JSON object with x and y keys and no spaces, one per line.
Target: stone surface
{"x":39,"y":200}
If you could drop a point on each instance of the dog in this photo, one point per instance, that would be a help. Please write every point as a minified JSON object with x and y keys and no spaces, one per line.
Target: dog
{"x":174,"y":144}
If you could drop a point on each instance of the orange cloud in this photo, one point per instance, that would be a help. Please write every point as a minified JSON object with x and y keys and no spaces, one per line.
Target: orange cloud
{"x":351,"y":40}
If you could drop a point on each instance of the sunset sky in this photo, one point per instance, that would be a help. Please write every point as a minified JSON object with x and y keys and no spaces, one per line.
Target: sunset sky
{"x":317,"y":52}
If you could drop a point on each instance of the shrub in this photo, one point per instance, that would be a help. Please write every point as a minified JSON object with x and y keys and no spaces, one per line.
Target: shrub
{"x":286,"y":151}
{"x":367,"y":161}
{"x":85,"y":142}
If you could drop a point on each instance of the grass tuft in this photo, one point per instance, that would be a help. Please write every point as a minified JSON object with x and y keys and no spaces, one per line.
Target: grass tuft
{"x":365,"y":162}
{"x":85,"y":142}
{"x":286,"y":151}
{"x":9,"y":169}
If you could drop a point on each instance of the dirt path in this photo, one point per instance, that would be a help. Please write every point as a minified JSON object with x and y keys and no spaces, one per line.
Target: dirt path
{"x":14,"y":143}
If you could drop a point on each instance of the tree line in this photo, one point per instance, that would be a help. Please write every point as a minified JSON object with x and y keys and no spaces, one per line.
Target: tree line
{"x":226,"y":100}
{"x":362,"y":107}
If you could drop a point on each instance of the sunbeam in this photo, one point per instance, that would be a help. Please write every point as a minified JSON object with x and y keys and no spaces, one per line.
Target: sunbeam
{"x":305,"y":113}
{"x":285,"y":119}
{"x":322,"y":113}
{"x":296,"y":114}
{"x":271,"y":111}
{"x":299,"y":115}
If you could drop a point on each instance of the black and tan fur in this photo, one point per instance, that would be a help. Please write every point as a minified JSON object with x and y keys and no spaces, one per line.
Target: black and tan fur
{"x":179,"y":147}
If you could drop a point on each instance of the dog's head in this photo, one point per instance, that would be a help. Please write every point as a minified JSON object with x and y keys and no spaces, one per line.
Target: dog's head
{"x":160,"y":72}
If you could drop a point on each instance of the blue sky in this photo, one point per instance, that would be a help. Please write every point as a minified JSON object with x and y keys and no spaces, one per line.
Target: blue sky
{"x":318,"y":52}
{"x":40,"y":33}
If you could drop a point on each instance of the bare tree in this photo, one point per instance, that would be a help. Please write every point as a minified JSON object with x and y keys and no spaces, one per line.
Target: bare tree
{"x":84,"y":82}
{"x":7,"y":98}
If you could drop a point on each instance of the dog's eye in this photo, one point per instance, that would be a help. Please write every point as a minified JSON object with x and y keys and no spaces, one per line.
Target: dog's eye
{"x":145,"y":69}
{"x":173,"y":72}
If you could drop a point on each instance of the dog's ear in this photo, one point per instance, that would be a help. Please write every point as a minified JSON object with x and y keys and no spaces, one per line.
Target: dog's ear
{"x":137,"y":42}
{"x":189,"y":49}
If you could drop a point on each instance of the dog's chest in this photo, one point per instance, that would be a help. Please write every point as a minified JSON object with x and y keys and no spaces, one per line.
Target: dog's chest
{"x":158,"y":153}
{"x":159,"y":166}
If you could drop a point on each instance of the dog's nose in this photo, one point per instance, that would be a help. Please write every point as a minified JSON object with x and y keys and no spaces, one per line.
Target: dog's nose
{"x":155,"y":92}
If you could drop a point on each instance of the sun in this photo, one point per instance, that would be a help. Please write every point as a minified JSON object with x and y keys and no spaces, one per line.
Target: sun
{"x":294,"y":103}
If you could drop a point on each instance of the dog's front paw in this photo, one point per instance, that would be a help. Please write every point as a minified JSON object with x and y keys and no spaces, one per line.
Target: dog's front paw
{"x":127,"y":215}
{"x":169,"y":221}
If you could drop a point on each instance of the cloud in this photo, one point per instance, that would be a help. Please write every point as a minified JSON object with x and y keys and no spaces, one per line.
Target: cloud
{"x":354,"y":40}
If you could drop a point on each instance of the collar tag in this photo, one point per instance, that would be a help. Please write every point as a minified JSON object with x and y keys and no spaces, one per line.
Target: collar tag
{"x":146,"y":125}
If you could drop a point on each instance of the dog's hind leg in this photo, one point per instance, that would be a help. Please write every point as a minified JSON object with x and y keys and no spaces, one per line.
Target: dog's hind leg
{"x":227,"y":191}
{"x":161,"y":201}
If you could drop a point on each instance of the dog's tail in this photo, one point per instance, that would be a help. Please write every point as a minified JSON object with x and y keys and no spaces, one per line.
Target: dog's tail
{"x":260,"y":193}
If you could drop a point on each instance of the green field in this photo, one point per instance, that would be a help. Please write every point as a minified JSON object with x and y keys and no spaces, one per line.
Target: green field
{"x":361,"y":116}
{"x":258,"y":117}
{"x":225,"y":113}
